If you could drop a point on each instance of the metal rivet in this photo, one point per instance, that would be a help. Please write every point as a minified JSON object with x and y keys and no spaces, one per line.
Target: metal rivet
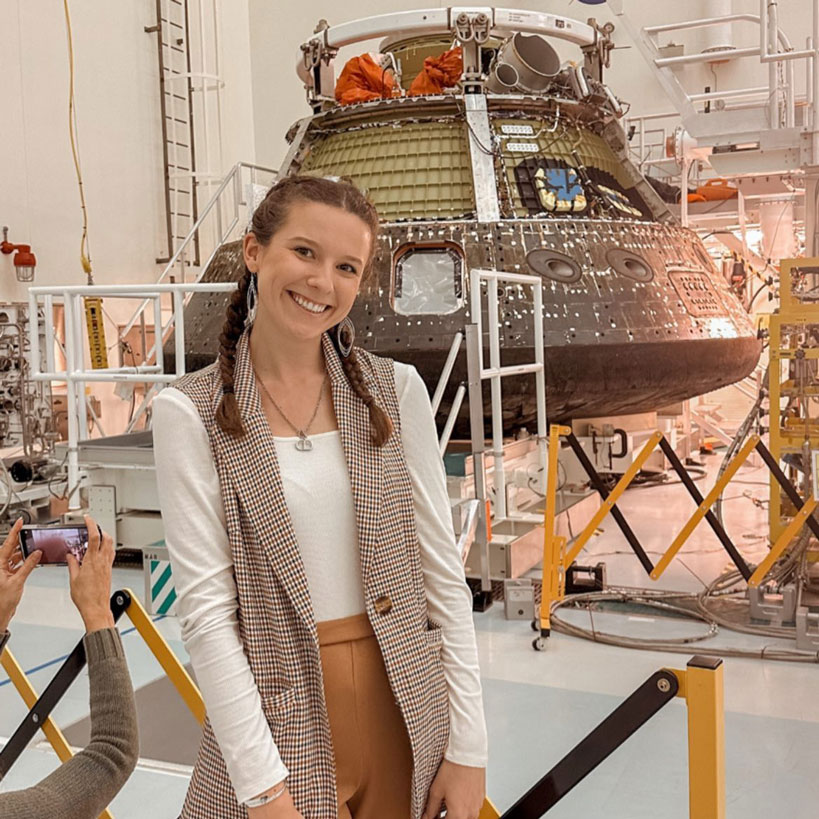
{"x":35,"y":718}
{"x":664,"y":685}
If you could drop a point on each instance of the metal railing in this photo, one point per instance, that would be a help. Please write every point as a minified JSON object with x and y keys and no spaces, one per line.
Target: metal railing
{"x":76,"y":374}
{"x":224,"y":218}
{"x":777,"y":99}
{"x":495,"y":372}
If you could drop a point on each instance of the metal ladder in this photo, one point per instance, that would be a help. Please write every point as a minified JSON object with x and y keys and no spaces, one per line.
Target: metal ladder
{"x":477,"y":374}
{"x":172,"y":31}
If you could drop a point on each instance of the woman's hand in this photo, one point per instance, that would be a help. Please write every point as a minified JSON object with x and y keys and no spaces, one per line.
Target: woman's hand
{"x":462,"y":788}
{"x":281,"y":808}
{"x":91,"y":581}
{"x":12,"y":574}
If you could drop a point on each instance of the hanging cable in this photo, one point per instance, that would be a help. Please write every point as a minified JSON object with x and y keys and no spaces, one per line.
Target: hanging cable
{"x":85,"y":257}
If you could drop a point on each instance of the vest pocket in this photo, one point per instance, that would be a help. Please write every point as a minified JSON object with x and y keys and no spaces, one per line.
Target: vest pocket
{"x":277,"y":707}
{"x":434,"y":636}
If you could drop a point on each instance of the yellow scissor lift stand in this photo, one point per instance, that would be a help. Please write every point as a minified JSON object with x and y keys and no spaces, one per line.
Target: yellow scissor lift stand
{"x":558,"y":556}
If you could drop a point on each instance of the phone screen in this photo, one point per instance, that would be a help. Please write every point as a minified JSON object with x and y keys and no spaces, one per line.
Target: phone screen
{"x":55,"y":542}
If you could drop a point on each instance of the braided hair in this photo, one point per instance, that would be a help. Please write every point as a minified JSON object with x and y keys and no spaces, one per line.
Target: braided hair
{"x":269,"y":216}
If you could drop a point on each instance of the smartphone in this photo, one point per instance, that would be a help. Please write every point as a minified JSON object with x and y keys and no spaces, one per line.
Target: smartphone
{"x":55,"y":542}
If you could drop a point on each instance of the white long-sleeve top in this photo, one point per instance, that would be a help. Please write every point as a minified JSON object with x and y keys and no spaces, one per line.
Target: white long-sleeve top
{"x":196,"y":536}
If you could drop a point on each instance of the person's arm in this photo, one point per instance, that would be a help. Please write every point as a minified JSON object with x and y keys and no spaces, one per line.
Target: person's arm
{"x":449,"y":601}
{"x":83,"y":786}
{"x":13,"y":575}
{"x":196,"y":536}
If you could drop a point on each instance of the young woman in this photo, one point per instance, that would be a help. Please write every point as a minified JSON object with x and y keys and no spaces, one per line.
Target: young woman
{"x":321,"y":596}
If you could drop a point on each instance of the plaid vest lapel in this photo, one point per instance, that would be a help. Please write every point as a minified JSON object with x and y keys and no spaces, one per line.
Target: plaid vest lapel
{"x":255,"y":470}
{"x":364,"y":459}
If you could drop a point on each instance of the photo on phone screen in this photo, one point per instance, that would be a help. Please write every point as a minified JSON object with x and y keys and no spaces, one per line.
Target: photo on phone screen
{"x":55,"y":542}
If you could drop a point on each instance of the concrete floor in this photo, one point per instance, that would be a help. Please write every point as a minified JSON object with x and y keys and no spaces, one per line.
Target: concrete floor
{"x":538,"y":705}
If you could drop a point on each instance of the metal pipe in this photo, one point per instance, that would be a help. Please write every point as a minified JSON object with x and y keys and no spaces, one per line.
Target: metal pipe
{"x":509,"y":369}
{"x":82,"y":402}
{"x":686,"y":169}
{"x":814,"y":63}
{"x":768,"y":34}
{"x":702,"y":23}
{"x":147,"y":290}
{"x":451,"y":418}
{"x":499,"y":476}
{"x":144,"y":404}
{"x":454,"y":349}
{"x":688,"y":59}
{"x":475,"y":306}
{"x":71,"y":408}
{"x":540,"y":375}
{"x":159,"y":348}
{"x":90,"y":375}
{"x":721,"y":95}
{"x":809,"y":83}
{"x":34,"y":330}
{"x":179,"y":332}
{"x":48,"y":315}
{"x":790,"y":95}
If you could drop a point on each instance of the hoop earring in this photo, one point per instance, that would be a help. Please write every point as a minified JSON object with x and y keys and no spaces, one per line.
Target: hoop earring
{"x":252,"y":301}
{"x":345,"y":336}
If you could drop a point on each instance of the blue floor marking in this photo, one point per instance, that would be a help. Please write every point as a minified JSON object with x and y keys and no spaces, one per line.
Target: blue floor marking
{"x":65,"y":656}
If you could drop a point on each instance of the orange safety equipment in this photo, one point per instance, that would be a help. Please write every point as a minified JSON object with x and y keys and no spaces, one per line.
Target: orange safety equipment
{"x":362,"y":79}
{"x":717,"y":189}
{"x":438,"y":73}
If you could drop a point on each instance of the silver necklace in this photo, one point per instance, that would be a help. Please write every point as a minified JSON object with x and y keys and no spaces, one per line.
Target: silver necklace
{"x":304,"y":444}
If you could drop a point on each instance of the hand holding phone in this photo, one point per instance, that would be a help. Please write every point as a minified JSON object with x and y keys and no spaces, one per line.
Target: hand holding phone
{"x":91,"y":581}
{"x":13,"y":574}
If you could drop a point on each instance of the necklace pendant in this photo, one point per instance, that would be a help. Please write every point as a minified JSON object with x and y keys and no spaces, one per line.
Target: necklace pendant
{"x":304,"y":444}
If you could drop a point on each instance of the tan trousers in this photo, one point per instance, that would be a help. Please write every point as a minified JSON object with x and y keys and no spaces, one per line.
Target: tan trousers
{"x":372,"y":750}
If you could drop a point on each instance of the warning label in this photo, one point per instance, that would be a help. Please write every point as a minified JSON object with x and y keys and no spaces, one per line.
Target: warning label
{"x":697,"y":293}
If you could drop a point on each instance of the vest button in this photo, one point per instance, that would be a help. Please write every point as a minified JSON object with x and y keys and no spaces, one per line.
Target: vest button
{"x":383,"y":604}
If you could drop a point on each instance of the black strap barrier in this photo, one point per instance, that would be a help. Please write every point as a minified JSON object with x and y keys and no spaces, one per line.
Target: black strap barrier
{"x":61,"y":682}
{"x":712,"y":519}
{"x":787,"y":487}
{"x":745,"y":570}
{"x":625,"y":720}
{"x":598,"y":484}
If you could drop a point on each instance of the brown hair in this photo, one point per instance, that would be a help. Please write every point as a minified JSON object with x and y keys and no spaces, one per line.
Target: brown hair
{"x":269,"y":216}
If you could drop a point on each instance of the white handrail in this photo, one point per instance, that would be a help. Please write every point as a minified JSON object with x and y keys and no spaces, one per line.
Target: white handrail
{"x":75,"y":374}
{"x":496,"y":372}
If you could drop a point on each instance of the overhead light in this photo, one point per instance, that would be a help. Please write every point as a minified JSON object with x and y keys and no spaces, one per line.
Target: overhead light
{"x":24,"y":259}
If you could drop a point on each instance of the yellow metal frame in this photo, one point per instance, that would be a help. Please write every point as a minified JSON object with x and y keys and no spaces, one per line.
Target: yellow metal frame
{"x":787,"y":437}
{"x":159,"y":648}
{"x":553,"y":584}
{"x":787,"y":535}
{"x":703,"y":691}
{"x":606,"y":506}
{"x":705,"y":506}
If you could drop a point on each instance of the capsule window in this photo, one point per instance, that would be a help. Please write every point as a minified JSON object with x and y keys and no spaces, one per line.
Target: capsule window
{"x":428,"y":280}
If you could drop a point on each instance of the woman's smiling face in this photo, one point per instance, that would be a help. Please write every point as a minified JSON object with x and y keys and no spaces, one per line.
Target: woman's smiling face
{"x":310,"y":271}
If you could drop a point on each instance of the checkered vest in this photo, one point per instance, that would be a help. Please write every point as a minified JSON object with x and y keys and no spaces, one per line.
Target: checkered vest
{"x":276,"y":620}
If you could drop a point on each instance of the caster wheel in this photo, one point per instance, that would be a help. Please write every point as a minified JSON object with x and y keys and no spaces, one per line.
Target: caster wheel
{"x":539,"y":644}
{"x":535,"y":625}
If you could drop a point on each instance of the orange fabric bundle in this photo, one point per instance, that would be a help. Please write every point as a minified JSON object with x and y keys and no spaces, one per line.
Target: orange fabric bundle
{"x":438,"y":73}
{"x":363,"y":79}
